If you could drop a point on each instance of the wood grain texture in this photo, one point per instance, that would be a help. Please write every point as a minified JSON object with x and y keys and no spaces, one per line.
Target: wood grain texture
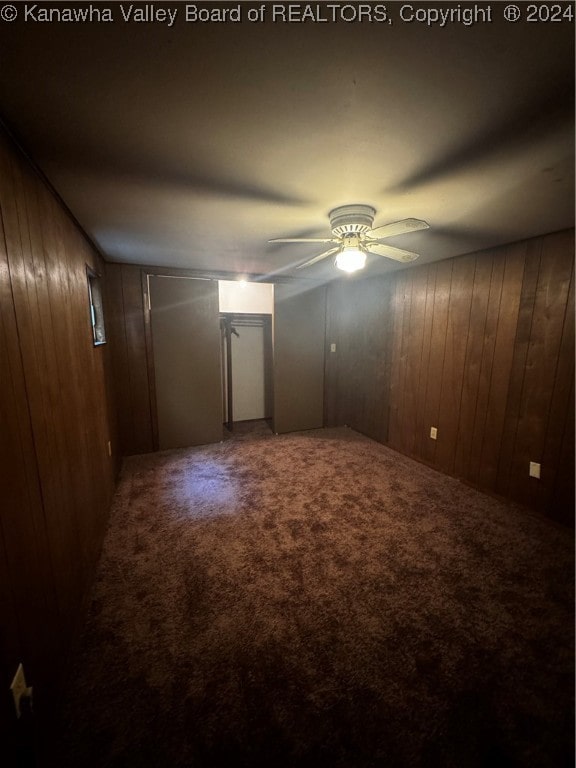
{"x":400,"y":315}
{"x":481,"y":347}
{"x":130,"y":346}
{"x":473,"y":363}
{"x":558,"y":455}
{"x":542,"y":375}
{"x":57,"y":476}
{"x":118,"y":348}
{"x":562,"y":506}
{"x":453,"y":371}
{"x":433,"y":394}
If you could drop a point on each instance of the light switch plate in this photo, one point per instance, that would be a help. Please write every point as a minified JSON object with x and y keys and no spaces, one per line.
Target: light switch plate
{"x":534,"y":470}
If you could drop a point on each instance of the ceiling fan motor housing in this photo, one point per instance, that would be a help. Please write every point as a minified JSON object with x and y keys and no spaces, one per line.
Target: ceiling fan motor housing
{"x":351,"y":219}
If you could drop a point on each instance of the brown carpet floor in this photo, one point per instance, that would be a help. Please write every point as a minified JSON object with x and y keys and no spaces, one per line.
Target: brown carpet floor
{"x":317,"y":599}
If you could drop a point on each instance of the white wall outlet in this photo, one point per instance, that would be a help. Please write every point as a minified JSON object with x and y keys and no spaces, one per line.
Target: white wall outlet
{"x":332,"y":347}
{"x":109,"y":448}
{"x":19,"y":689}
{"x":534,"y":470}
{"x":433,"y":433}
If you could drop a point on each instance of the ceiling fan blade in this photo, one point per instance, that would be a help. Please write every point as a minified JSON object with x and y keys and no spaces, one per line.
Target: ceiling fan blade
{"x":381,"y":249}
{"x":398,"y":228}
{"x":320,"y":256}
{"x":303,"y":240}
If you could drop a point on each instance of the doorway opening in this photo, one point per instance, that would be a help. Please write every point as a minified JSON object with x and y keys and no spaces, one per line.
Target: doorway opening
{"x":246,"y":371}
{"x":246,"y":353}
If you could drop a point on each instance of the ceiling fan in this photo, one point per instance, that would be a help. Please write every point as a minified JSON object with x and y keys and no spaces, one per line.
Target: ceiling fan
{"x":354,"y":238}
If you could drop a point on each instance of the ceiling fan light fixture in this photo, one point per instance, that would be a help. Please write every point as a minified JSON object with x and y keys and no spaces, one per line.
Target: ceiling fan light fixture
{"x":351,"y":260}
{"x":353,"y":237}
{"x":351,"y":219}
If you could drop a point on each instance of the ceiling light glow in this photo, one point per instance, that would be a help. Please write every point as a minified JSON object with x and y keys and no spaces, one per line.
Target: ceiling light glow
{"x":350,"y":260}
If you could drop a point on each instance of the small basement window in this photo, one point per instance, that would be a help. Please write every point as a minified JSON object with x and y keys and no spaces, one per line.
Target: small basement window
{"x":96,"y":307}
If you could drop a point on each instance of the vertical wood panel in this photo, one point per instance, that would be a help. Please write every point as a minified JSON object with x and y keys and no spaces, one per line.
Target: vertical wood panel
{"x":498,"y":262}
{"x":384,"y":332}
{"x":422,"y":426}
{"x":118,"y":346}
{"x":539,"y":379}
{"x":129,"y":353}
{"x":473,"y":364}
{"x":24,"y":531}
{"x":137,"y":362}
{"x":9,"y":654}
{"x":457,"y":329}
{"x":44,"y":390}
{"x":22,"y":522}
{"x":561,"y":507}
{"x":519,"y":351}
{"x":404,"y":301}
{"x":558,"y":454}
{"x":437,"y":352}
{"x":57,"y":476}
{"x":149,"y":439}
{"x":398,"y":311}
{"x":64,"y":521}
{"x":482,"y":347}
{"x":416,"y":339}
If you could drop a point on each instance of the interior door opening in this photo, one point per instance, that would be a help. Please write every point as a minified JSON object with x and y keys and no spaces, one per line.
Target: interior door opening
{"x":246,"y":351}
{"x":247,"y":374}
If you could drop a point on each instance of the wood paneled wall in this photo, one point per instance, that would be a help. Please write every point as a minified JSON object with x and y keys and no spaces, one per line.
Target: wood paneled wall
{"x":56,"y":412}
{"x":481,"y":347}
{"x":132,"y":369}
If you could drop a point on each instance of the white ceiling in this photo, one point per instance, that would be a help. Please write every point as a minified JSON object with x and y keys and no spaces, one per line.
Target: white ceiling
{"x":192,"y":145}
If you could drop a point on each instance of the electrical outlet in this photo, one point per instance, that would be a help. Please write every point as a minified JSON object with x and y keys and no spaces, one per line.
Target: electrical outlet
{"x":534,"y":470}
{"x":109,"y":448}
{"x":434,"y":433}
{"x":332,"y":347}
{"x":19,"y":689}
